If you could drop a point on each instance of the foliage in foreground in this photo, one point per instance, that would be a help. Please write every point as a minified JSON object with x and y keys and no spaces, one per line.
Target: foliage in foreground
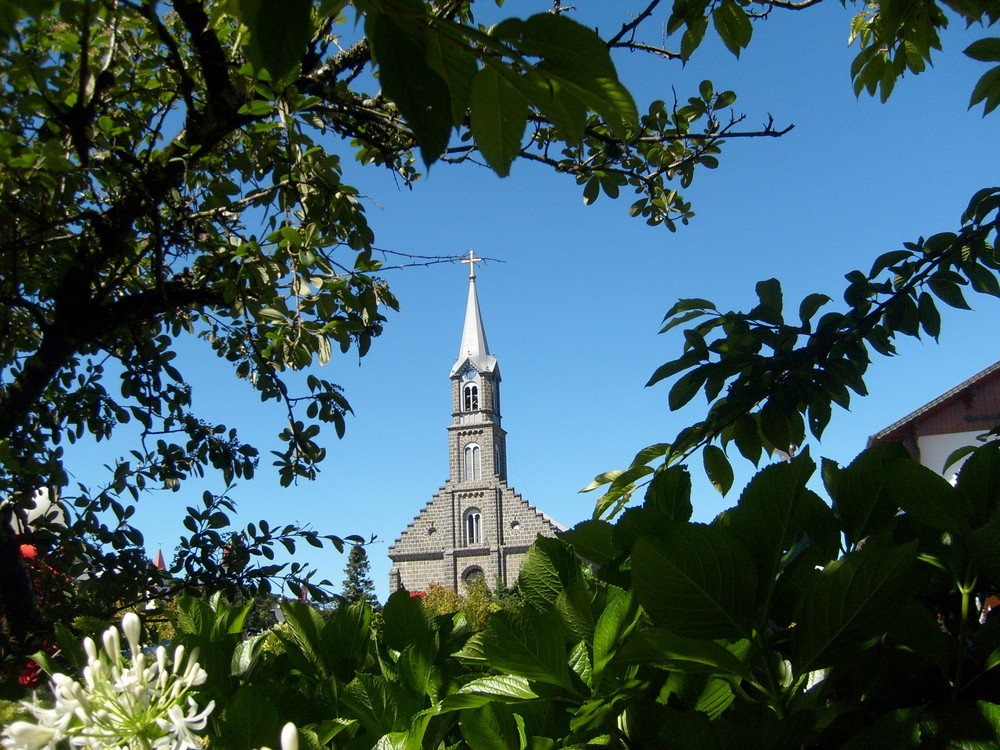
{"x":787,"y":622}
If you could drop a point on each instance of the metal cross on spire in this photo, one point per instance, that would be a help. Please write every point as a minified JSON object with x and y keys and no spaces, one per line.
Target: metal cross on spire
{"x":472,"y":260}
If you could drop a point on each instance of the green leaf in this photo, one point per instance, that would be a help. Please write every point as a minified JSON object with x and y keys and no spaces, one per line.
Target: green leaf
{"x":686,"y":388}
{"x":406,"y":622}
{"x":500,"y":687}
{"x":669,"y":494}
{"x":574,"y":608}
{"x":978,"y":483}
{"x":369,"y":699}
{"x":579,"y":662}
{"x":886,"y":260}
{"x":250,"y":720}
{"x":966,"y":725}
{"x":775,"y":426}
{"x":547,"y":570}
{"x":746,"y":435}
{"x":528,"y":644}
{"x":810,"y":305}
{"x":456,"y":65}
{"x":733,"y":26}
{"x":689,"y":303}
{"x":927,"y":497}
{"x":346,"y":638}
{"x":398,"y":46}
{"x":690,"y":359}
{"x":69,"y":646}
{"x":279,"y":33}
{"x":490,"y":727}
{"x":983,"y":279}
{"x":602,"y":479}
{"x":929,"y":316}
{"x":693,"y":656}
{"x":858,"y":490}
{"x":718,"y":468}
{"x":567,"y":44}
{"x":697,"y":582}
{"x":606,"y":96}
{"x":499,"y":114}
{"x":849,"y":605}
{"x":716,"y":697}
{"x":948,"y":292}
{"x":245,"y":655}
{"x":305,"y":624}
{"x":548,"y":94}
{"x":483,"y":690}
{"x":412,"y":738}
{"x":415,"y":670}
{"x":984,"y":50}
{"x":591,"y":540}
{"x":194,"y":616}
{"x":618,"y":618}
{"x":771,"y":514}
{"x":957,"y":455}
{"x":681,"y":319}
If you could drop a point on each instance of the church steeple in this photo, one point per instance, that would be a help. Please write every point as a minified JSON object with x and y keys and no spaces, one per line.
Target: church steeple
{"x":474,"y":349}
{"x":478,"y":446}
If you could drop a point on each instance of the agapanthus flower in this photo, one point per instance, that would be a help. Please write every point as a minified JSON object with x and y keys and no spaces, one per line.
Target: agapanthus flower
{"x":139,"y":703}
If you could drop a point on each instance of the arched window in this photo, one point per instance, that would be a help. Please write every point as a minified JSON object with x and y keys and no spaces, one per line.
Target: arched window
{"x":473,"y":528}
{"x":471,"y":397}
{"x":471,"y":574}
{"x":472,"y":459}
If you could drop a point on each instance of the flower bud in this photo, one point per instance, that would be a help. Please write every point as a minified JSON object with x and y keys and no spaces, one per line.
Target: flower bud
{"x":178,"y":659}
{"x":112,"y":644}
{"x":91,"y":648}
{"x":289,"y":737}
{"x":132,"y":628}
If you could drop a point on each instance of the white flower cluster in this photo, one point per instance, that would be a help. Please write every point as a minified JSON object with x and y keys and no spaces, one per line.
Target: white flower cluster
{"x":137,"y":704}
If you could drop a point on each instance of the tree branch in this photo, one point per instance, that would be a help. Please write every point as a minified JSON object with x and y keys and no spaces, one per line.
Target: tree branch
{"x":630,"y":27}
{"x":791,"y":5}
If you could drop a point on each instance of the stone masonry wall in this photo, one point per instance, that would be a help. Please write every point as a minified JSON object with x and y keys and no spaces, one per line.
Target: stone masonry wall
{"x":432,"y":548}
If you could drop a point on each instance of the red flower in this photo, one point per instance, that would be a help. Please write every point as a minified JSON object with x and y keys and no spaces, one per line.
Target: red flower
{"x":30,"y":675}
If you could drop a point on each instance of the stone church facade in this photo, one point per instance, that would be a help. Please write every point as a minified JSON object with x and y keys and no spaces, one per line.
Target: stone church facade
{"x":475,"y":525}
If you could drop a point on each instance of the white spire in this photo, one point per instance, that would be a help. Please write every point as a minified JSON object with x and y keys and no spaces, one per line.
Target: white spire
{"x":474,"y":348}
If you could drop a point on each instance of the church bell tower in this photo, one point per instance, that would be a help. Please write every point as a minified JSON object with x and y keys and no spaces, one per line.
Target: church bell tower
{"x":477,"y":443}
{"x":475,"y":526}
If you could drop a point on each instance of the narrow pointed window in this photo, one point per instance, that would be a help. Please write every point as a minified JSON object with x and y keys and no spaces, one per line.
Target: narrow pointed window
{"x":473,"y":527}
{"x":472,"y":457}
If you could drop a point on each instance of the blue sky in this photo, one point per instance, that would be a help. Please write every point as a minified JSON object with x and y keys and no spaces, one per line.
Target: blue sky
{"x":573,"y":299}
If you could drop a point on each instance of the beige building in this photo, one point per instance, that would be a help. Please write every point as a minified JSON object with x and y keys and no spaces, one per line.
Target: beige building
{"x":476,"y":525}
